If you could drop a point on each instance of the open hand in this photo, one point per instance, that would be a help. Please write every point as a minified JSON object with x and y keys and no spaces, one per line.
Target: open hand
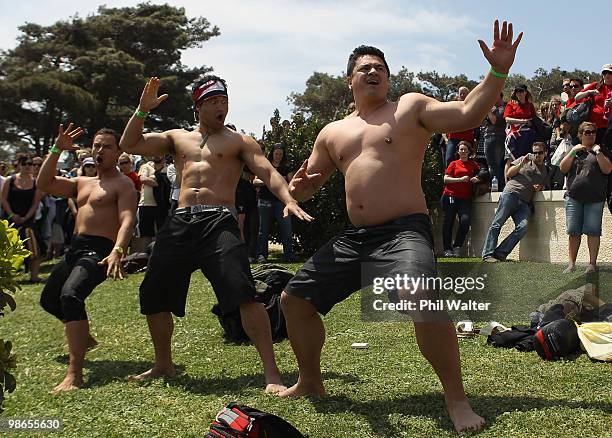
{"x":149,"y":99}
{"x":65,"y":138}
{"x":294,"y":209}
{"x":302,"y":180}
{"x":115,"y":270}
{"x":502,"y":52}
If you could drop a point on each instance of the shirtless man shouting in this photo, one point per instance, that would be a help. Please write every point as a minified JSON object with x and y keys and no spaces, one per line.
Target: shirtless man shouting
{"x":380,"y":150}
{"x":103,"y":229}
{"x":203,"y":231}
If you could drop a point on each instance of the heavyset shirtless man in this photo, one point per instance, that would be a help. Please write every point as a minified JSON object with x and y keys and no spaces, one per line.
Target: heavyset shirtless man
{"x":380,"y":149}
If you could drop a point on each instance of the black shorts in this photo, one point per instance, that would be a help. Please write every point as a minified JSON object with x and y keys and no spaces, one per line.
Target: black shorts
{"x":350,"y":261}
{"x":145,"y":226}
{"x":209,"y":241}
{"x":75,"y":277}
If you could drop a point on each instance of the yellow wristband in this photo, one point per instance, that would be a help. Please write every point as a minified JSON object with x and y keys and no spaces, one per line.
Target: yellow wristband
{"x":118,"y":249}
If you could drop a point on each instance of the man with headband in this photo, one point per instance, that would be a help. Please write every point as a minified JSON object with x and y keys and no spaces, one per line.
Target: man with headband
{"x":202,"y":233}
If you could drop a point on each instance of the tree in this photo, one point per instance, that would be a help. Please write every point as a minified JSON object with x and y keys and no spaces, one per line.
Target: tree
{"x":443,"y":87}
{"x":91,"y":71}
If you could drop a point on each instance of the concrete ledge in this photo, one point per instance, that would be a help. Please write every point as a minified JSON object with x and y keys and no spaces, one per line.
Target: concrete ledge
{"x":546,"y":239}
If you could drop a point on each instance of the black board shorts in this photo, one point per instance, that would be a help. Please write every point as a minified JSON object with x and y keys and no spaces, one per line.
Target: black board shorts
{"x":208,"y":240}
{"x":351,"y":260}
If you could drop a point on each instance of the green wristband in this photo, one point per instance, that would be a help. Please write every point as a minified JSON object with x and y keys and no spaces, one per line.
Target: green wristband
{"x":55,"y":150}
{"x":141,"y":114}
{"x":498,"y":74}
{"x":572,"y":153}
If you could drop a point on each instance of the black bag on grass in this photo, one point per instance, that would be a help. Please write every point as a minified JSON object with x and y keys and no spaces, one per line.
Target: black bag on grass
{"x":557,"y":339}
{"x":240,"y":421}
{"x":270,"y":280}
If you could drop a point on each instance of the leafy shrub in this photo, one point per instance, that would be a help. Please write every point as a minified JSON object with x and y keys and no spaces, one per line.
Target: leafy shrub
{"x":12,"y":254}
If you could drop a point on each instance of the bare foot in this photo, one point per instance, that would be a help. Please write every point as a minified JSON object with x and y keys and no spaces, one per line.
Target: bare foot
{"x":301,"y":390}
{"x":154,"y":373}
{"x":591,"y":268}
{"x":569,"y":269}
{"x":70,"y":382}
{"x":274,"y":388}
{"x":91,"y":343}
{"x":463,"y":417}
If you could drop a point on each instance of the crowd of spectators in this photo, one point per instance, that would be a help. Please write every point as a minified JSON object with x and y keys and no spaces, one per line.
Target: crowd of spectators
{"x":48,"y":222}
{"x":567,"y":145}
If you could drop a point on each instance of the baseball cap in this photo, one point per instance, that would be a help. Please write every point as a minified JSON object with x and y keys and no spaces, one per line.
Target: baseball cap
{"x":88,"y":160}
{"x":606,"y":67}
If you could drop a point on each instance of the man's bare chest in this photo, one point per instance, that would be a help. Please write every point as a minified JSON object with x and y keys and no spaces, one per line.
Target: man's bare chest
{"x":96,"y":195}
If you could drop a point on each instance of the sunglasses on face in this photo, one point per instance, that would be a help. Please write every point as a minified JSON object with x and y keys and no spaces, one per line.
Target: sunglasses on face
{"x":575,"y":86}
{"x":124,"y":162}
{"x":89,"y":165}
{"x":27,"y":163}
{"x":538,"y":153}
{"x":589,"y":132}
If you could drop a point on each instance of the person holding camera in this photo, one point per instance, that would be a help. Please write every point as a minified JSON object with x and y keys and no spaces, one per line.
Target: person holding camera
{"x":525,"y":176}
{"x":587,"y":166}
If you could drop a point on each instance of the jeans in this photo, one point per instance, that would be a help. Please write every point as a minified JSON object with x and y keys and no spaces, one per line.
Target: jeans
{"x":494,"y":150}
{"x":455,"y":207}
{"x":269,"y":209}
{"x":583,"y":217}
{"x":451,"y":151}
{"x":510,"y":205}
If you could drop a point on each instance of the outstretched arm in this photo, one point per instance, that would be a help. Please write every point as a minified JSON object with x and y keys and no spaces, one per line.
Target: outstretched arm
{"x":315,"y":171}
{"x":47,"y":180}
{"x":133,"y":140}
{"x":459,"y":116}
{"x":259,"y":164}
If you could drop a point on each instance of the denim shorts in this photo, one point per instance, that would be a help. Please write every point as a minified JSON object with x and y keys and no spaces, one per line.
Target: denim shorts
{"x":583,"y":217}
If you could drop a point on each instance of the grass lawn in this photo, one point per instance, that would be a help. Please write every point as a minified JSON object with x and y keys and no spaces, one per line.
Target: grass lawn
{"x":388,"y":390}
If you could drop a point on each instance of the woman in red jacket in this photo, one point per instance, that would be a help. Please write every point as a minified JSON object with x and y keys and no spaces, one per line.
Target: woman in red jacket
{"x":601,"y":92}
{"x":457,"y":198}
{"x":519,"y":111}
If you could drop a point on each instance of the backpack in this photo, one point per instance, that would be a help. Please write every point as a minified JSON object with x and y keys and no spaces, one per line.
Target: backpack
{"x":240,"y":421}
{"x":270,"y":281}
{"x":557,"y":339}
{"x":580,"y":113}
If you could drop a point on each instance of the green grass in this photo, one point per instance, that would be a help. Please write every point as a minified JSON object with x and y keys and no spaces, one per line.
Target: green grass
{"x":388,"y":390}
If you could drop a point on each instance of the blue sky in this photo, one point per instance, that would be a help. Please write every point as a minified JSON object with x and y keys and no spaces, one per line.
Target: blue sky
{"x":268,"y":48}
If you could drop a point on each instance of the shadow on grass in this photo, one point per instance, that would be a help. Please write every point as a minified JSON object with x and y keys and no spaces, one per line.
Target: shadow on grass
{"x":222,"y":385}
{"x":102,"y":372}
{"x":431,"y":405}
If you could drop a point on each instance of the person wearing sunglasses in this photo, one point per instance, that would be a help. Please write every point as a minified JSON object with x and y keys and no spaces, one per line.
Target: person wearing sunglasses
{"x":519,"y":113}
{"x":526,"y":176}
{"x":20,"y":200}
{"x":587,"y":166}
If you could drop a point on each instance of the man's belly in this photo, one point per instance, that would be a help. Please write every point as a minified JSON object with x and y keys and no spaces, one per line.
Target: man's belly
{"x":378,"y":200}
{"x":205,"y":196}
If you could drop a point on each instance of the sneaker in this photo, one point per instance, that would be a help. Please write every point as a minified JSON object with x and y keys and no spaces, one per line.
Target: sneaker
{"x":449,"y":253}
{"x":261,"y":259}
{"x":457,"y":251}
{"x":490,"y":259}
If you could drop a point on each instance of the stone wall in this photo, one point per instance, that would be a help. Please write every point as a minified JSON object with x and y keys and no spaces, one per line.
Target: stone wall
{"x":545,"y":241}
